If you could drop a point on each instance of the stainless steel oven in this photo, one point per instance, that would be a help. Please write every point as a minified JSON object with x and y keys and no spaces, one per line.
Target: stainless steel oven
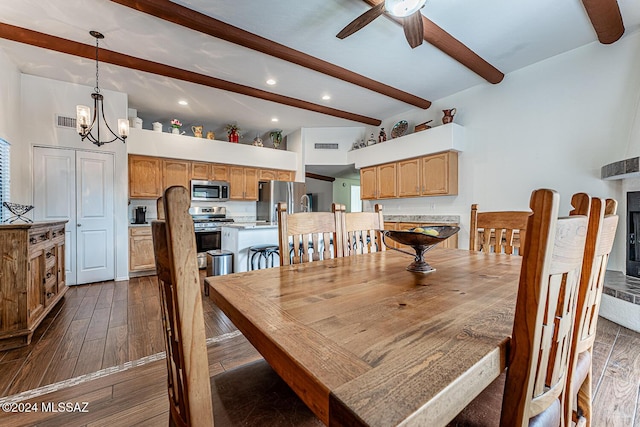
{"x":207,"y":223}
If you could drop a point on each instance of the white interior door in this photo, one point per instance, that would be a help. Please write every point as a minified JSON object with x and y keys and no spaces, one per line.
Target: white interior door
{"x":78,"y":186}
{"x":95,"y":217}
{"x":54,"y":182}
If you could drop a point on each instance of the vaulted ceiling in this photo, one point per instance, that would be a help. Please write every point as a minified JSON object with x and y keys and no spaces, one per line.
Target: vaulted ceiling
{"x":217,"y":54}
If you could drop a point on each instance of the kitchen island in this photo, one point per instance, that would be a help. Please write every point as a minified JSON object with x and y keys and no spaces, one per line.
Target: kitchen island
{"x":238,"y":237}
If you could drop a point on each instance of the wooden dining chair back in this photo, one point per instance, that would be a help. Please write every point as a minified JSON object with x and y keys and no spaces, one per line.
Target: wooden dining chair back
{"x":250,"y":394}
{"x":498,"y":231}
{"x":309,"y":236}
{"x":361,"y":232}
{"x":545,"y":309}
{"x":531,"y":392}
{"x":603,"y":223}
{"x":182,"y":316}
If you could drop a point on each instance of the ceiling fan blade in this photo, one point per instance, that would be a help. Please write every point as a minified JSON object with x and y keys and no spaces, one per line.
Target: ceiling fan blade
{"x":361,"y":21}
{"x":413,"y":29}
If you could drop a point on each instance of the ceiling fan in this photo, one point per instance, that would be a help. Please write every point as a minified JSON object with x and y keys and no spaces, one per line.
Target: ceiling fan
{"x":408,"y":11}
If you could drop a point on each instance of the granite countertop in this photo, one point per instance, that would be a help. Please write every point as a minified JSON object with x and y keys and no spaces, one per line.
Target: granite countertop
{"x":444,"y":219}
{"x":251,"y":225}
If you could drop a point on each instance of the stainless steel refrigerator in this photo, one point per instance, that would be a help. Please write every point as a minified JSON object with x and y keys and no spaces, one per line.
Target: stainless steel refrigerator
{"x":270,"y":193}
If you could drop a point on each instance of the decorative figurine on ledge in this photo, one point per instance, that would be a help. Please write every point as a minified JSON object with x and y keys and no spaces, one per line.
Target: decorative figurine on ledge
{"x":233,"y":132}
{"x":383,"y":135}
{"x":276,"y":138}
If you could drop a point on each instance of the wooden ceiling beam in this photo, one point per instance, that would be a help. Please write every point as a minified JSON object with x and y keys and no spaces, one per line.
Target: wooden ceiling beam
{"x":606,"y":19}
{"x":183,"y":16}
{"x":46,"y":41}
{"x":445,"y":42}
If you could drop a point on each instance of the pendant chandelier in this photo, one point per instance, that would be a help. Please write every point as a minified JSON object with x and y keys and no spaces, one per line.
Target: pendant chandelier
{"x":84,"y":128}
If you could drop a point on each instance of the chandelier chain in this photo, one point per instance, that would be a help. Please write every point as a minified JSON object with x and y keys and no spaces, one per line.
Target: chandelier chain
{"x":97,"y":88}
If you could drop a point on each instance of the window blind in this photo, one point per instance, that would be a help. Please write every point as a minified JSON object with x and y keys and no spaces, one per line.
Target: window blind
{"x":4,"y":177}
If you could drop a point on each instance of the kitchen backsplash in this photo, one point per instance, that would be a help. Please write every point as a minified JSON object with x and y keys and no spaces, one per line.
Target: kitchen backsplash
{"x":239,"y":211}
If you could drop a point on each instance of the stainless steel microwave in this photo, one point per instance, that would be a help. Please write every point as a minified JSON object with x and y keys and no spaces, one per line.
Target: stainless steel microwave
{"x":209,"y":191}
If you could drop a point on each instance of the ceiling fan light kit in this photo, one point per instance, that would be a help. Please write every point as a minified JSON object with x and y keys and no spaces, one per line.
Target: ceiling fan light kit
{"x":403,"y":8}
{"x":406,"y":12}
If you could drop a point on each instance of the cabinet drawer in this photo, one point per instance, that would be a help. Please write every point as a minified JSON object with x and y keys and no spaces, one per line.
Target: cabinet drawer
{"x":49,"y":257}
{"x":57,"y":235}
{"x":38,"y":237}
{"x":50,"y":291}
{"x":139,"y":231}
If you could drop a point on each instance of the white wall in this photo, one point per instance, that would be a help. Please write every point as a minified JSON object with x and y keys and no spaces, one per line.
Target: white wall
{"x":553,"y":124}
{"x":342,"y":191}
{"x":324,"y":190}
{"x":343,"y":136}
{"x":10,"y":120}
{"x":41,"y":100}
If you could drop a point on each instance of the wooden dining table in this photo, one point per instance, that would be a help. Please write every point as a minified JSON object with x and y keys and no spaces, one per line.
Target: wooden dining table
{"x":363,"y":341}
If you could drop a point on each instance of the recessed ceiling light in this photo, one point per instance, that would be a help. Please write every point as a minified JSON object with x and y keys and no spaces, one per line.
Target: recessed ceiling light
{"x":326,"y":97}
{"x":274,"y":119}
{"x":271,"y":82}
{"x":183,"y":102}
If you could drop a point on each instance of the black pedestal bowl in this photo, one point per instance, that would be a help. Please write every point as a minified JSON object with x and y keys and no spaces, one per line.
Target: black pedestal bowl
{"x":421,"y":239}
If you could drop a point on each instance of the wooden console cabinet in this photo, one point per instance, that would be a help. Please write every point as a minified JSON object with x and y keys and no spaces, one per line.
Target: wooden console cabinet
{"x":32,"y":278}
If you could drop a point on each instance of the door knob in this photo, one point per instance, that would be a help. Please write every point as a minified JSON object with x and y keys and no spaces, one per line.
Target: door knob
{"x":79,"y":225}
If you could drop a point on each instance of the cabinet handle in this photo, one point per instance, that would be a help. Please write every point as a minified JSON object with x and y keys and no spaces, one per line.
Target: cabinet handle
{"x":49,"y":275}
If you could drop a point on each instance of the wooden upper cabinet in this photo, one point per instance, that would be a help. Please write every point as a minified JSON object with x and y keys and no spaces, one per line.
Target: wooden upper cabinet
{"x":432,"y":175}
{"x":175,"y":172}
{"x":368,"y":183}
{"x":243,"y":183}
{"x":267,"y":175}
{"x":387,"y":181}
{"x":440,"y":174}
{"x":219,"y":172}
{"x":145,"y":177}
{"x":409,"y":178}
{"x":276,"y":175}
{"x":201,"y":170}
{"x":285,"y":175}
{"x":250,"y":184}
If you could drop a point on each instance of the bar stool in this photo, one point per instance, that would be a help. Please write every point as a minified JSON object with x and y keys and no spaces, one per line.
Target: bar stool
{"x":258,"y":252}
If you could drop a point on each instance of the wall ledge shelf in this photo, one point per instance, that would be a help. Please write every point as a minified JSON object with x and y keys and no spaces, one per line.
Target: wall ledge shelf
{"x":163,"y":144}
{"x":449,"y":137}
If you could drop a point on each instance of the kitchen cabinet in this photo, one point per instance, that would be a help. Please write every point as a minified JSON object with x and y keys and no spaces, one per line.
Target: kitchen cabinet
{"x":378,"y":182}
{"x":141,"y":255}
{"x":32,"y":273}
{"x":409,"y":177}
{"x":209,"y":171}
{"x":201,"y":171}
{"x":145,"y":177}
{"x":243,"y":183}
{"x":175,"y":172}
{"x":451,"y":242}
{"x":432,"y":175}
{"x":276,"y":175}
{"x":150,"y":176}
{"x":440,"y":174}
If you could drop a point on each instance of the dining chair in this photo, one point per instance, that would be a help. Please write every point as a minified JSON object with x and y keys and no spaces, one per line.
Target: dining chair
{"x":530,"y":392}
{"x":497,"y":231}
{"x":603,"y":223}
{"x":252,"y":394}
{"x":361,"y":231}
{"x":309,"y":236}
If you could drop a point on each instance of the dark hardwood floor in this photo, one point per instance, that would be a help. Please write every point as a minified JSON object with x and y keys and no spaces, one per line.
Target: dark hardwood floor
{"x":103,"y":345}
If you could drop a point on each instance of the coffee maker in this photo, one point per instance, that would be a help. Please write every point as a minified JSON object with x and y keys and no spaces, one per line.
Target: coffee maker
{"x":140,"y":214}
